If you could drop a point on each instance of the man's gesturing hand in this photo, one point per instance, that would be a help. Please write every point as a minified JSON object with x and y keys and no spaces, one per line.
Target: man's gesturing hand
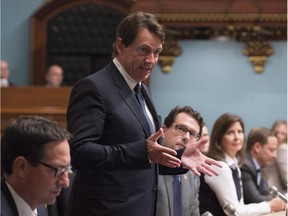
{"x":160,"y":154}
{"x":197,"y":162}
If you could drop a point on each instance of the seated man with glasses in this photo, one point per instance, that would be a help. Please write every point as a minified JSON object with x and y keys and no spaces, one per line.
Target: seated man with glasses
{"x":178,"y":194}
{"x":35,"y":161}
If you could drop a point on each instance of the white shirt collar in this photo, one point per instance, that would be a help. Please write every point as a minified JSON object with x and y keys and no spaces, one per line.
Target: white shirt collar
{"x":4,"y":82}
{"x":22,"y":207}
{"x":130,"y":81}
{"x":257,"y":166}
{"x":232,"y":162}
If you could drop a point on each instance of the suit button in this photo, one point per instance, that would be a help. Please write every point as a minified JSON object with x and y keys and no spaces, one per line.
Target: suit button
{"x":155,"y":188}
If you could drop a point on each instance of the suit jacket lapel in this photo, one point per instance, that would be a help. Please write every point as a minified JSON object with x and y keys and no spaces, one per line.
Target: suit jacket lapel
{"x":253,"y":168}
{"x":168,"y":179}
{"x":9,"y":198}
{"x":130,"y":99}
{"x":187,"y":189}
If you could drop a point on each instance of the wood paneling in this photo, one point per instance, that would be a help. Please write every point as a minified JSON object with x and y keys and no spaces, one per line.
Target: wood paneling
{"x":48,"y":102}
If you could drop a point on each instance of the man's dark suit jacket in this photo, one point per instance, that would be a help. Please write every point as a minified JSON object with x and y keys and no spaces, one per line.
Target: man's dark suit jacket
{"x":109,"y":152}
{"x":251,"y":191}
{"x":8,"y":206}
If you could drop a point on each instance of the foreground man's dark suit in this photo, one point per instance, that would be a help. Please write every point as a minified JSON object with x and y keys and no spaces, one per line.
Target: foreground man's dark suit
{"x":8,"y":206}
{"x":109,"y":152}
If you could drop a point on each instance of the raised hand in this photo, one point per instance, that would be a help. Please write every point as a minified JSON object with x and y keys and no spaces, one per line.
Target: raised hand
{"x":197,"y":162}
{"x":160,"y":154}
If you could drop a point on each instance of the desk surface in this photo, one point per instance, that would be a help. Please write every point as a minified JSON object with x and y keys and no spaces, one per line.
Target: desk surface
{"x":282,"y":213}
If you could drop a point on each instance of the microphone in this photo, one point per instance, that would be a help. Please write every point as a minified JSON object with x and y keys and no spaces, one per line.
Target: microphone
{"x":230,"y":210}
{"x":207,"y":213}
{"x":274,"y":191}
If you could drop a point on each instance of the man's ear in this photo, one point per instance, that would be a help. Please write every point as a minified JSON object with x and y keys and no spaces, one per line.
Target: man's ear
{"x":164,"y":128}
{"x":257,"y":147}
{"x":20,"y":166}
{"x":119,"y":45}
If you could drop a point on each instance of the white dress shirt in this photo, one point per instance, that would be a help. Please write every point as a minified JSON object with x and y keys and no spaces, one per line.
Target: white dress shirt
{"x":4,"y":82}
{"x":132,"y":83}
{"x":23,"y":208}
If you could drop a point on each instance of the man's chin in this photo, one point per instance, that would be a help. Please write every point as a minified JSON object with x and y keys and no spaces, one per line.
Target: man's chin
{"x":51,"y":200}
{"x":177,"y":147}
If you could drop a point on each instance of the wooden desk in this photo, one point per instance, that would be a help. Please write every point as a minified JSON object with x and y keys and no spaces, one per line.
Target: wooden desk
{"x":34,"y":100}
{"x":282,"y":213}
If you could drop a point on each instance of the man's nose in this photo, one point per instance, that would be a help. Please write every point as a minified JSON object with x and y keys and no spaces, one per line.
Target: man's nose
{"x":64,"y":180}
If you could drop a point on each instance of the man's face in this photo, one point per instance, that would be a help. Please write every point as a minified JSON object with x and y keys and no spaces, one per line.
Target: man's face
{"x":267,"y":152}
{"x":140,"y":57}
{"x":280,"y":131}
{"x":44,"y":186}
{"x":4,"y":70}
{"x":55,"y":76}
{"x":173,"y":139}
{"x":205,"y":134}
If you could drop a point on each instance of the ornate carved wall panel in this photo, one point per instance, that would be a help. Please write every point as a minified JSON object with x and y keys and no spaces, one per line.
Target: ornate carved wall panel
{"x":78,"y":34}
{"x":246,"y":21}
{"x":80,"y":39}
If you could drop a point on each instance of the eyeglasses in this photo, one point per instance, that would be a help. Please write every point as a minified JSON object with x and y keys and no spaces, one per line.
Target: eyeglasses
{"x":182,"y":130}
{"x":59,"y":171}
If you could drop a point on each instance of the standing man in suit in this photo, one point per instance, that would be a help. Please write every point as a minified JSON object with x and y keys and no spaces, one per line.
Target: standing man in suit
{"x":179,"y":121}
{"x":115,"y":150}
{"x":261,"y":150}
{"x":35,"y":161}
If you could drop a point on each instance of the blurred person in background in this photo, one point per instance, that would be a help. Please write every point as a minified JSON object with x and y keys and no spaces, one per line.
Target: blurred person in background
{"x":261,"y":149}
{"x":205,"y":134}
{"x":227,"y":146}
{"x":276,"y":172}
{"x":54,"y":76}
{"x":5,"y":73}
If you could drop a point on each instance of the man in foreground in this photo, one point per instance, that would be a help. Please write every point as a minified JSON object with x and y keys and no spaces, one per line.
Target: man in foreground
{"x":35,"y":161}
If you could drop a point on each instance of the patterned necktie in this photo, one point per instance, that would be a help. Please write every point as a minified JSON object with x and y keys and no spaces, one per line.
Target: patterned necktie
{"x":177,"y":198}
{"x":237,"y":182}
{"x":141,"y":101}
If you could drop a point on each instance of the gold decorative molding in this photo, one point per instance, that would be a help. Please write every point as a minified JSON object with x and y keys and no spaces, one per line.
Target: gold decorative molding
{"x":210,"y":25}
{"x":258,"y":52}
{"x":202,"y":17}
{"x":257,"y":46}
{"x":170,"y":51}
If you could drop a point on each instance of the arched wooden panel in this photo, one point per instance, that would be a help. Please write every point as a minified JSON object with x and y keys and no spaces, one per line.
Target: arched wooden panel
{"x":183,"y":19}
{"x":76,"y":34}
